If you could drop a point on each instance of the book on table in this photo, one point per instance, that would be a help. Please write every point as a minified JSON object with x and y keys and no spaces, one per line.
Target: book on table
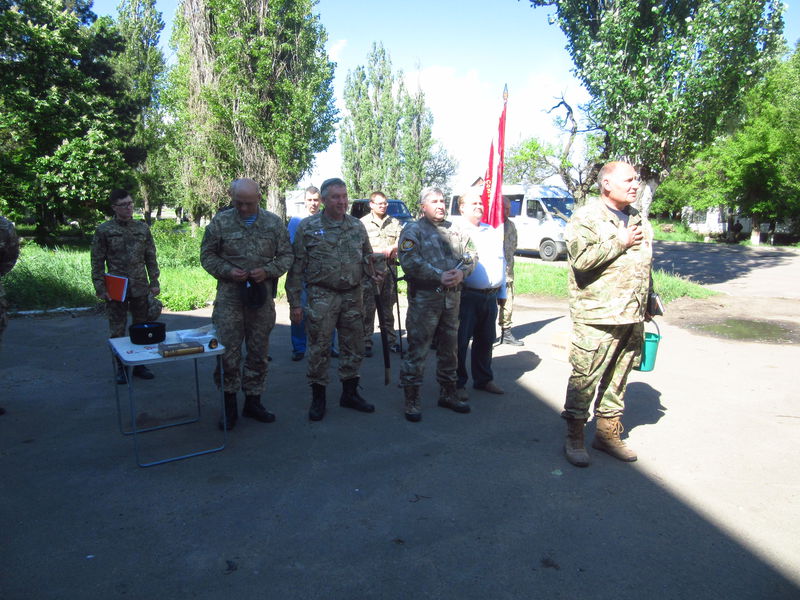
{"x":116,"y":287}
{"x":180,"y":348}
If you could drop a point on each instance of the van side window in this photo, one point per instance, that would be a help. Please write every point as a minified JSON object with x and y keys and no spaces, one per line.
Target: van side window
{"x":534,"y":210}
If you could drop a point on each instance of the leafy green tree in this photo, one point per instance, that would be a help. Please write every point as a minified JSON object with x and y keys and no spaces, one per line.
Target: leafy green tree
{"x":253,"y":96}
{"x":666,"y":77}
{"x":62,"y":113}
{"x":387,"y":141}
{"x":140,"y":67}
{"x":754,"y":169}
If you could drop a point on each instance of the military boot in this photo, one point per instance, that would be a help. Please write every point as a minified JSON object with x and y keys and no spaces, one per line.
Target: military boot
{"x":448,"y":398}
{"x":231,"y":412}
{"x":352,"y":399}
{"x":606,"y":438}
{"x":573,"y":445}
{"x":508,"y":338}
{"x":255,"y":410}
{"x":413,"y":406}
{"x":317,"y":409}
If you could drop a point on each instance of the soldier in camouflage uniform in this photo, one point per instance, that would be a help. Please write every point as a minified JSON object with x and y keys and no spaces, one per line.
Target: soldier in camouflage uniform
{"x":9,"y":252}
{"x":610,"y":250}
{"x":383,"y":230}
{"x":507,"y":304}
{"x":246,"y":249}
{"x":123,"y":246}
{"x":331,"y":251}
{"x":435,"y":257}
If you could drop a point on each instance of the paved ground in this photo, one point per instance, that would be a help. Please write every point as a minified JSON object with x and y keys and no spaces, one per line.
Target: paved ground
{"x":370,"y":506}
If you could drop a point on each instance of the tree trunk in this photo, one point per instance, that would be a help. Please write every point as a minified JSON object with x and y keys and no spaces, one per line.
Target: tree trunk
{"x":755,"y":232}
{"x":646,"y":196}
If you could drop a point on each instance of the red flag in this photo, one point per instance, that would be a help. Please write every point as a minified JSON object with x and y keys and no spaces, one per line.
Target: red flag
{"x":492,"y":195}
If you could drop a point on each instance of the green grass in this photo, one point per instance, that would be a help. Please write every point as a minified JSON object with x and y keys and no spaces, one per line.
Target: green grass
{"x":668,"y":230}
{"x":545,"y":280}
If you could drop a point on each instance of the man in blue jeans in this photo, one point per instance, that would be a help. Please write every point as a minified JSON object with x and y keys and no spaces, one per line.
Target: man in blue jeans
{"x":298,"y":330}
{"x":479,"y":297}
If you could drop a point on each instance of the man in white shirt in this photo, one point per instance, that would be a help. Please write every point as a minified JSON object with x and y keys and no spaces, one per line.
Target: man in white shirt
{"x":485,"y":285}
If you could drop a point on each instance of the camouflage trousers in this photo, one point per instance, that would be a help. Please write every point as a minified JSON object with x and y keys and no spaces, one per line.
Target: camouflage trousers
{"x":504,"y":313}
{"x":117,"y":313}
{"x":431,"y":316}
{"x":602,"y":357}
{"x":328,"y":310}
{"x":237,"y":323}
{"x":387,"y":298}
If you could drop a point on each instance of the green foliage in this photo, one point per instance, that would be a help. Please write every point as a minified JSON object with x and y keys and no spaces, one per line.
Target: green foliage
{"x":252,"y":96}
{"x":529,"y":161}
{"x":754,"y":169}
{"x":386,"y":137}
{"x":62,"y":113}
{"x":665,"y":77}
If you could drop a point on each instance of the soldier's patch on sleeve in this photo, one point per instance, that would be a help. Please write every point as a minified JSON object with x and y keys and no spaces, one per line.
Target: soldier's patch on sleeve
{"x":407,"y":245}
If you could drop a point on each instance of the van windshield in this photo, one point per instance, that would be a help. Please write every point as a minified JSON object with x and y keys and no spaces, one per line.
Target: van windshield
{"x":560,"y":207}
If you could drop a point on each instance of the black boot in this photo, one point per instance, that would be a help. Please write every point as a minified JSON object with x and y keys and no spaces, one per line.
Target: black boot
{"x":317,"y":409}
{"x":255,"y":410}
{"x":231,"y":412}
{"x":351,"y":398}
{"x":142,"y":372}
{"x":508,"y":338}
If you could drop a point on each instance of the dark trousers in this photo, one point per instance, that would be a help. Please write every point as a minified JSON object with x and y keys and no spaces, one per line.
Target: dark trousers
{"x":477,"y":315}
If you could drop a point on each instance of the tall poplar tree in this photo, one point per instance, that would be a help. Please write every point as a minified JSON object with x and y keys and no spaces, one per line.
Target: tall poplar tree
{"x":666,"y":77}
{"x":254,"y":96}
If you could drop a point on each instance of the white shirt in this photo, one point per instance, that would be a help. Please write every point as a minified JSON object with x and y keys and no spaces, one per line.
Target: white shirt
{"x":490,"y":271}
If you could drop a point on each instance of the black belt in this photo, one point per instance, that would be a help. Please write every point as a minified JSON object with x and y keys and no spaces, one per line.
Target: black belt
{"x":486,"y":291}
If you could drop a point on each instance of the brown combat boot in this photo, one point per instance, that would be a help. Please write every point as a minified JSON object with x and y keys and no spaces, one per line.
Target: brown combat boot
{"x":606,"y":438}
{"x":448,"y":398}
{"x":573,"y":445}
{"x":413,"y":407}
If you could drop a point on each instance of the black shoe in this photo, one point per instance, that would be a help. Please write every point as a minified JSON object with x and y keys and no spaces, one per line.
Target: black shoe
{"x":508,"y":338}
{"x":231,"y":412}
{"x":368,"y":352}
{"x":2,"y":410}
{"x":255,"y":410}
{"x":317,"y":409}
{"x":334,"y":353}
{"x":298,"y":356}
{"x":351,"y":398}
{"x":142,"y":372}
{"x":395,"y":348}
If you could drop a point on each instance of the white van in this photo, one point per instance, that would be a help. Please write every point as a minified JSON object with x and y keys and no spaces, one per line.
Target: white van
{"x":540,"y":213}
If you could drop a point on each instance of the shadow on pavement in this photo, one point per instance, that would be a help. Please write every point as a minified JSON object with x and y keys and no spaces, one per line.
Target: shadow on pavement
{"x":715,"y":263}
{"x":356,"y":506}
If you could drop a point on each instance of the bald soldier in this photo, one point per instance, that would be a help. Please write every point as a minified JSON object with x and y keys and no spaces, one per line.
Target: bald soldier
{"x":610,"y":251}
{"x":331,"y":252}
{"x":246,"y":249}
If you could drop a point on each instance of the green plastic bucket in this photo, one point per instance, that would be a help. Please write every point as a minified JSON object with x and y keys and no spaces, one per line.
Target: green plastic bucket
{"x":649,"y":349}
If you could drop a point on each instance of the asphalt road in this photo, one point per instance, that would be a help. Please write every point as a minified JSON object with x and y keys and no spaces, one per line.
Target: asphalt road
{"x":479,"y":506}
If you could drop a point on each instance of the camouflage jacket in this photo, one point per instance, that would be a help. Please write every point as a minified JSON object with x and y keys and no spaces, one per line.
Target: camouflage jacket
{"x":228,"y":243}
{"x":428,"y":249}
{"x":327,"y":253}
{"x":9,"y":248}
{"x":382,"y":234}
{"x":608,"y":283}
{"x":509,"y":247}
{"x":125,"y":248}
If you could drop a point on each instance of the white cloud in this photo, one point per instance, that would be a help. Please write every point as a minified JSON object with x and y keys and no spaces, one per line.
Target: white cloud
{"x":336,"y":49}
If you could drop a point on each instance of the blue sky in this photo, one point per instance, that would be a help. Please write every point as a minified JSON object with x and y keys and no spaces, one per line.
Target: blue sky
{"x":461,"y":53}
